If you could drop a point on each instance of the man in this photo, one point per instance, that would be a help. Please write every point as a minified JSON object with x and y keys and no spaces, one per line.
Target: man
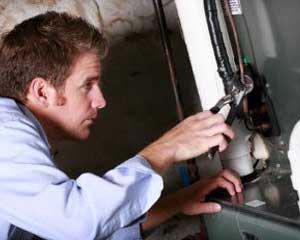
{"x":49,"y":87}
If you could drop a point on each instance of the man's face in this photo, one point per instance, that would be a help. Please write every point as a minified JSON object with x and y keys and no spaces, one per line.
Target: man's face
{"x":82,"y":98}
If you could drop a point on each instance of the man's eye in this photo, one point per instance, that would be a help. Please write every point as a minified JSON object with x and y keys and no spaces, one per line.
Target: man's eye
{"x":88,"y":86}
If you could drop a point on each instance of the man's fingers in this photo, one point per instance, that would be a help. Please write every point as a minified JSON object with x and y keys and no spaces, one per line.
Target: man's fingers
{"x":221,"y":128}
{"x":217,"y":140}
{"x":190,"y":138}
{"x":226,"y":179}
{"x":203,"y":115}
{"x":211,"y":121}
{"x":216,"y":129}
{"x":216,"y":182}
{"x":234,"y":178}
{"x":218,"y":135}
{"x":237,"y":198}
{"x":210,"y":207}
{"x":203,"y":207}
{"x":229,"y":186}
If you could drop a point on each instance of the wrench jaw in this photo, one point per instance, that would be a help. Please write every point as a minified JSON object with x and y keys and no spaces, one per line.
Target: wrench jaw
{"x":235,"y":98}
{"x":241,"y":88}
{"x":248,"y":83}
{"x":227,"y":99}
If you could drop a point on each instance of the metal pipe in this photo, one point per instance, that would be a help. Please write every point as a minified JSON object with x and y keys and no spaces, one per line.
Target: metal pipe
{"x":160,"y":15}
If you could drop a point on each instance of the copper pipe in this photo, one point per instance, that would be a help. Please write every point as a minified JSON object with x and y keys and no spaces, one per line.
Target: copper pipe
{"x":236,"y":40}
{"x":160,"y":15}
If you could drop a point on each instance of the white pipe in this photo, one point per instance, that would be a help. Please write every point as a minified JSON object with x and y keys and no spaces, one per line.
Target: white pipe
{"x":294,"y":157}
{"x":237,"y":156}
{"x":196,"y":35}
{"x":210,"y":86}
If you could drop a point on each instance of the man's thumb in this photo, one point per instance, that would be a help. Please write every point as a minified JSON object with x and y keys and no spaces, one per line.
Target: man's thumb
{"x":202,"y":207}
{"x":210,"y":207}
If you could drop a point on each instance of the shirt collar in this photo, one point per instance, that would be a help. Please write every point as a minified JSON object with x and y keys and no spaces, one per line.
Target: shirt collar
{"x":30,"y":115}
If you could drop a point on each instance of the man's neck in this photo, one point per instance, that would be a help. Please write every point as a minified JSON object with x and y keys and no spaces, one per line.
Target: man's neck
{"x":51,"y":131}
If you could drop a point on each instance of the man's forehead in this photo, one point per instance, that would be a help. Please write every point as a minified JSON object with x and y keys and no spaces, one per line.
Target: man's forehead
{"x":87,"y":62}
{"x":86,"y":67}
{"x":89,"y":57}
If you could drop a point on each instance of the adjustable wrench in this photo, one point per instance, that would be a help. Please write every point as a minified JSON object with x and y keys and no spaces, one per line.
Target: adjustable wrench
{"x":234,"y":99}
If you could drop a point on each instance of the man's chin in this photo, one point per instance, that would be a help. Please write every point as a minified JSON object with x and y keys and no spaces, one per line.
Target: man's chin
{"x":83,"y":136}
{"x":80,"y":136}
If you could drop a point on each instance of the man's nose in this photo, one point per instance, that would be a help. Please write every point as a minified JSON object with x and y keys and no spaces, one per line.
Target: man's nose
{"x":98,"y":99}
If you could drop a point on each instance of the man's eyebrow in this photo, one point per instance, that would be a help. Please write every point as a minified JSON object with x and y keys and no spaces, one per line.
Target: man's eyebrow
{"x":93,"y":78}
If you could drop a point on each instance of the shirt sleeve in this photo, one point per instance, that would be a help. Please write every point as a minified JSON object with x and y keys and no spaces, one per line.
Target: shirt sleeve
{"x":38,"y":197}
{"x":132,"y":232}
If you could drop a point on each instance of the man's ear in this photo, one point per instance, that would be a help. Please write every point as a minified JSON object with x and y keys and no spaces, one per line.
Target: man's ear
{"x":41,"y":92}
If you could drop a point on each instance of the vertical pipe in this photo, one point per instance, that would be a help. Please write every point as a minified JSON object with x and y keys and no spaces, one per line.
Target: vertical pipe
{"x":160,"y":15}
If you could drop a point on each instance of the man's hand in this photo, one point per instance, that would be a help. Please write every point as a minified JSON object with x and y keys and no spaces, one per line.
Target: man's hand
{"x":197,"y":192}
{"x":191,"y":200}
{"x":192,"y":137}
